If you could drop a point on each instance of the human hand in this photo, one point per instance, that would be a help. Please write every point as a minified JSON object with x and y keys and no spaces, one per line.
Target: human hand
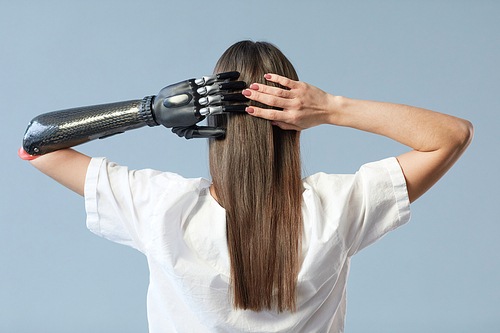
{"x":304,"y":105}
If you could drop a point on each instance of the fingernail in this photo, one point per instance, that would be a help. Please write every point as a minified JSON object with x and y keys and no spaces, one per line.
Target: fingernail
{"x":274,"y":123}
{"x":254,"y":86}
{"x":249,"y":110}
{"x":246,"y":92}
{"x":267,"y":76}
{"x":25,"y":156}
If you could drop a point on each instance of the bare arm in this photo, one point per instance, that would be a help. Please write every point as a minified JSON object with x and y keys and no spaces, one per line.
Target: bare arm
{"x":437,"y":139}
{"x":66,"y":166}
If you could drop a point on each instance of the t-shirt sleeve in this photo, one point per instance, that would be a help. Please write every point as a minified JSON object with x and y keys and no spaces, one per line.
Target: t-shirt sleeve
{"x":369,"y":204}
{"x":382,"y":200}
{"x":122,"y":204}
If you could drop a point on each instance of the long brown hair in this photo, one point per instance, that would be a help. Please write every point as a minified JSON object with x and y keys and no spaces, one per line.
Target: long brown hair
{"x":256,"y":174}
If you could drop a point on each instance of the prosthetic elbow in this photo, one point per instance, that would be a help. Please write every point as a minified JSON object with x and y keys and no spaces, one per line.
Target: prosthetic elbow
{"x":178,"y":106}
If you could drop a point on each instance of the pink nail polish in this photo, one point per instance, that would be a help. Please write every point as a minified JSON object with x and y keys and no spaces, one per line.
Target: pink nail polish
{"x":254,"y":86}
{"x":249,"y":110}
{"x":25,"y":156}
{"x":267,"y":76}
{"x":246,"y":92}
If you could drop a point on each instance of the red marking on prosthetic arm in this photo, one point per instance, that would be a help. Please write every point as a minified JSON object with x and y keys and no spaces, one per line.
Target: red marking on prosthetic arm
{"x":25,"y":156}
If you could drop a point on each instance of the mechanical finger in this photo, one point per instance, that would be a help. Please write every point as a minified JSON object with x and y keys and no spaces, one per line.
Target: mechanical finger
{"x":220,"y":109}
{"x":195,"y":131}
{"x":219,"y":98}
{"x":206,"y":80}
{"x":218,"y":87}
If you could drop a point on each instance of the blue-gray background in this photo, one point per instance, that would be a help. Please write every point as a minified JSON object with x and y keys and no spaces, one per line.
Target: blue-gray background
{"x":439,"y":273}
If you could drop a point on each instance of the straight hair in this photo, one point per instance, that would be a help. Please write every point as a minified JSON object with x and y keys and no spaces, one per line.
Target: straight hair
{"x":256,"y":175}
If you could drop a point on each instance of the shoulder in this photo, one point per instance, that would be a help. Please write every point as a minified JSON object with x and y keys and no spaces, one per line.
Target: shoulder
{"x":373,"y":175}
{"x":146,"y":182}
{"x":380,"y":168}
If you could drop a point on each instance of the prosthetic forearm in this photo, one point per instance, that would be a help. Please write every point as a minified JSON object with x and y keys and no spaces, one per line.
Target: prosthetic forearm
{"x":178,"y":106}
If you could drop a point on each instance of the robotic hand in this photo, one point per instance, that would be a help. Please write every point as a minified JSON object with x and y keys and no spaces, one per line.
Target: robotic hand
{"x":186,"y":103}
{"x":178,"y":106}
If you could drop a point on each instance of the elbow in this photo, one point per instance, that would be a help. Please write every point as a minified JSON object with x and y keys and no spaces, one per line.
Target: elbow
{"x":467,"y":133}
{"x":462,"y":135}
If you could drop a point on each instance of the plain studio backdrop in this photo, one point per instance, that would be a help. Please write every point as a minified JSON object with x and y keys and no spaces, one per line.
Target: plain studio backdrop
{"x":439,"y":273}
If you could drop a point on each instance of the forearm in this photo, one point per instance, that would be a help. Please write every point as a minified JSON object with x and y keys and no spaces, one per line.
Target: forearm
{"x":437,"y":139}
{"x":420,"y":129}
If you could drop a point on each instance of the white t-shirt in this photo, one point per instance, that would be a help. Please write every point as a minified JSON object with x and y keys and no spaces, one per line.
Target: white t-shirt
{"x":181,"y":229}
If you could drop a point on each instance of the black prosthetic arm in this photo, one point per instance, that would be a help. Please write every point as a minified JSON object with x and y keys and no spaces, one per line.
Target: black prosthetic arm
{"x":179,"y":106}
{"x":67,"y":128}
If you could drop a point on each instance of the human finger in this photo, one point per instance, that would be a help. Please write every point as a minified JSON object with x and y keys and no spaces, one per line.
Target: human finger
{"x":284,"y":81}
{"x":275,"y":91}
{"x":269,"y":114}
{"x":266,"y":99}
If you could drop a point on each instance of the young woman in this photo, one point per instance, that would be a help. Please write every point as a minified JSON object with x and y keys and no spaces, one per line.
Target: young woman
{"x":259,"y":249}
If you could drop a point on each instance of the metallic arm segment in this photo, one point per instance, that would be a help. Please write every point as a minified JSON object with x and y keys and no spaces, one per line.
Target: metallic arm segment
{"x":67,"y":128}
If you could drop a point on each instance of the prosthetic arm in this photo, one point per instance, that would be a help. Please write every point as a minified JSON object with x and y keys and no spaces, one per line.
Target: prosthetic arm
{"x":178,"y":106}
